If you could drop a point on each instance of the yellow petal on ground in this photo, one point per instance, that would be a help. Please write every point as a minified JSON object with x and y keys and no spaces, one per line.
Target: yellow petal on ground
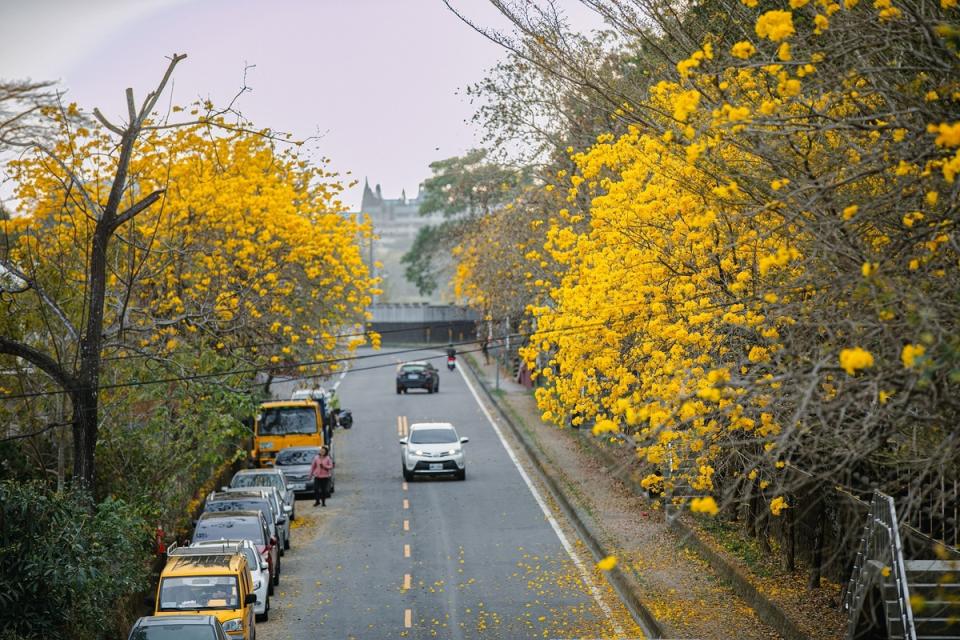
{"x":607,"y":563}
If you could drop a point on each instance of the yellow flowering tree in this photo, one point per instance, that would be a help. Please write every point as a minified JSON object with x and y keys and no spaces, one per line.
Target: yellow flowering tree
{"x":756,"y":276}
{"x":157,"y":248}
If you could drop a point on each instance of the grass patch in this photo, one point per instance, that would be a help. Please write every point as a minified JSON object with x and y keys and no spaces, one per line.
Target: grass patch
{"x":729,"y":537}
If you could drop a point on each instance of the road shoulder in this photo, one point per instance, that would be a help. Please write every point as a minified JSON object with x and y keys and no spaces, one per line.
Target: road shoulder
{"x":687,"y":598}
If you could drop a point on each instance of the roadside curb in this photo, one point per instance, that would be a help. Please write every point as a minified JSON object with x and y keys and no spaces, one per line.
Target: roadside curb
{"x":767,"y":610}
{"x":624,"y":584}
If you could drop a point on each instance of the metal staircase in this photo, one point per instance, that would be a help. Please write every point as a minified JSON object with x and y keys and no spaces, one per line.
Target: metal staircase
{"x":890,"y":597}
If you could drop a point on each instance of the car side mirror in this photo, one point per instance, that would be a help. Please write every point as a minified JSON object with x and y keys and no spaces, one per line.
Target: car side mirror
{"x":250,"y":599}
{"x":403,"y":441}
{"x":464,"y":440}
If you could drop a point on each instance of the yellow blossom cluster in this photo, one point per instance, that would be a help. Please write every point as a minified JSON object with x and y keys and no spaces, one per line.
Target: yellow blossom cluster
{"x":245,"y":253}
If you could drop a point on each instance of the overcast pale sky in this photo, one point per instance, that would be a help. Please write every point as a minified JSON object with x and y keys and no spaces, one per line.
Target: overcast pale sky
{"x":379,"y":79}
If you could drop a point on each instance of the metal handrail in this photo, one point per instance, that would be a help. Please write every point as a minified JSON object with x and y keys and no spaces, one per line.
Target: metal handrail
{"x":880,"y":542}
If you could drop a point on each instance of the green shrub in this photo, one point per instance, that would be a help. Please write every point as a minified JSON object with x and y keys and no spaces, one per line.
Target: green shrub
{"x":66,"y":562}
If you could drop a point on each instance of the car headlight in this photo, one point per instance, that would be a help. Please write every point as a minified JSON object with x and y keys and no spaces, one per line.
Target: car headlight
{"x":233,"y":625}
{"x":452,"y":452}
{"x":418,"y":452}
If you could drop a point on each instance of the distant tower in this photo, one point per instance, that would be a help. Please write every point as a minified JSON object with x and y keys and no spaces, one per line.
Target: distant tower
{"x":369,"y":202}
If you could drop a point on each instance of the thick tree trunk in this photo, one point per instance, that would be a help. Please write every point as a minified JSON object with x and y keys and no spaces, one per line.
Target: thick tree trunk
{"x":816,"y":561}
{"x":789,"y":562}
{"x":86,"y":400}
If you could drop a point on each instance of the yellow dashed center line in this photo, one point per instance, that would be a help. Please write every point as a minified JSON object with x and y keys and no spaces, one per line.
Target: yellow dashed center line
{"x":405,"y":427}
{"x":406,"y":551}
{"x":404,"y":486}
{"x":408,"y":618}
{"x":406,"y":503}
{"x":406,"y":581}
{"x":400,"y":426}
{"x":406,"y":525}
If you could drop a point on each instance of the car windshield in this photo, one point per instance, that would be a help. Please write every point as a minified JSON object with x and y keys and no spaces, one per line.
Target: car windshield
{"x":257,"y":480}
{"x":240,"y":528}
{"x":199,"y":592}
{"x":299,"y":456}
{"x":242,"y":504}
{"x":407,"y":368}
{"x":174,"y":631}
{"x":433,"y":436}
{"x":281,"y":421}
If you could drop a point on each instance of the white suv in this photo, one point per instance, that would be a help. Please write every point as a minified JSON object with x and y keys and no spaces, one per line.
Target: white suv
{"x":259,"y":571}
{"x":433,"y":448}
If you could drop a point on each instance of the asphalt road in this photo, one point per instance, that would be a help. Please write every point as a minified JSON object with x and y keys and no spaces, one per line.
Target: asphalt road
{"x":433,"y":558}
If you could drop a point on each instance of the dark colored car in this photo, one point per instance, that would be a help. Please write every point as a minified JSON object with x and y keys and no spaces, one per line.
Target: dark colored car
{"x":240,"y":500}
{"x":295,"y":463}
{"x":191,"y":627}
{"x":418,"y":375}
{"x":242,"y":525}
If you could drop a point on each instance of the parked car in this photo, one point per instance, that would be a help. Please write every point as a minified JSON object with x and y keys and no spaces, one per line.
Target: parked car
{"x":209,"y":581}
{"x":195,"y":627}
{"x":245,"y":525}
{"x":433,"y":448}
{"x":295,"y":463}
{"x":259,"y":571}
{"x":417,"y":375}
{"x":271,"y":493}
{"x":251,"y":498}
{"x":267,"y":478}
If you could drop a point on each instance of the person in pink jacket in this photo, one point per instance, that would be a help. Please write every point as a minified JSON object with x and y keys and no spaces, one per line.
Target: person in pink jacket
{"x":320,"y":470}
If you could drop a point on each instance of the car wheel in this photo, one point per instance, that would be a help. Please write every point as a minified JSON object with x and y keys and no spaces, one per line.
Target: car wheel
{"x":462,"y":474}
{"x":399,"y":390}
{"x":269,"y":585}
{"x":263,"y":617}
{"x":333,"y":485}
{"x":286,"y":543}
{"x":430,"y":389}
{"x":276,"y":576}
{"x":436,"y":388}
{"x":407,"y":475}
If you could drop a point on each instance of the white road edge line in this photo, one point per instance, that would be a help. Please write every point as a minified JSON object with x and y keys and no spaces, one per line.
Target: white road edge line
{"x":587,"y":578}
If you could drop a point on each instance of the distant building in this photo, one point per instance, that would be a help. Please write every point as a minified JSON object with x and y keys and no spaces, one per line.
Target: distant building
{"x":396,"y":223}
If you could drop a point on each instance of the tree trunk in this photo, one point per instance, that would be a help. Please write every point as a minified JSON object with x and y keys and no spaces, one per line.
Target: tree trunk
{"x":816,"y":562}
{"x":86,"y":399}
{"x":789,"y":562}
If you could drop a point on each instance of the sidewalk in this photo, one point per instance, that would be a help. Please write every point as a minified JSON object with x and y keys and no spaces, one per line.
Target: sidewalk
{"x":677,"y":586}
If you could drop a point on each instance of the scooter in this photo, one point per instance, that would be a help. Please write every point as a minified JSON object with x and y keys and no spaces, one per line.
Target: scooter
{"x":451,"y":363}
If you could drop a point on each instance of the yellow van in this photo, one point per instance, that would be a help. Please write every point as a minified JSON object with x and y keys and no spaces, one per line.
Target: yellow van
{"x":210,"y":580}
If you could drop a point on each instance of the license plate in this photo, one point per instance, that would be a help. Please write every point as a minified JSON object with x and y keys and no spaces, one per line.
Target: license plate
{"x":436,"y":466}
{"x":300,"y":487}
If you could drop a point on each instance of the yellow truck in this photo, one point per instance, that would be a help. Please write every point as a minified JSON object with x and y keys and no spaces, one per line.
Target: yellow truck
{"x":287,"y":423}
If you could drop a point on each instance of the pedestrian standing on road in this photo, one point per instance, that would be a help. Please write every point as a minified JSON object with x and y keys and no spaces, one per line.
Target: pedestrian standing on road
{"x":320,"y":470}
